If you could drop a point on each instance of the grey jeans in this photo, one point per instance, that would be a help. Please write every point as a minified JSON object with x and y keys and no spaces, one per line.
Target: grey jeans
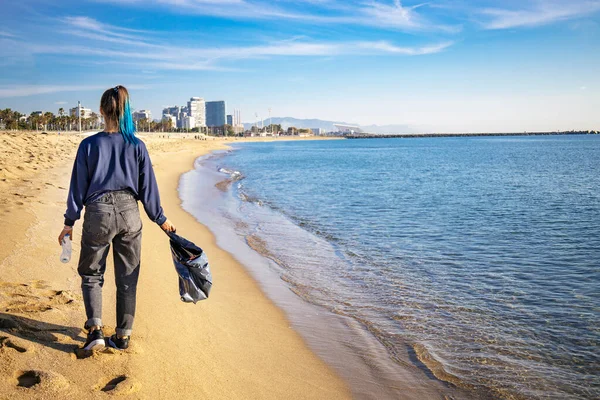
{"x":115,"y":218}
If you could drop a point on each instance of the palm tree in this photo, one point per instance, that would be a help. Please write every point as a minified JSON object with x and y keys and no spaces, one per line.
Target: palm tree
{"x":73,"y":122}
{"x":5,"y":117}
{"x":47,"y":118}
{"x":95,"y":119}
{"x":61,"y":117}
{"x":34,"y":118}
{"x":141,"y":123}
{"x":16,"y":117}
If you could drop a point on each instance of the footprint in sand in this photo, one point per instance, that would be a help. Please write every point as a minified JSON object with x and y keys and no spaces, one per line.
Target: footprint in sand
{"x":40,"y":380}
{"x":28,"y":379}
{"x":120,"y":385}
{"x":31,"y":298}
{"x":20,"y":299}
{"x":14,"y":344}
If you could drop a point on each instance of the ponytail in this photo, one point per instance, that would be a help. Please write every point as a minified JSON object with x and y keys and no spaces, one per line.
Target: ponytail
{"x":126,"y":125}
{"x":115,"y":106}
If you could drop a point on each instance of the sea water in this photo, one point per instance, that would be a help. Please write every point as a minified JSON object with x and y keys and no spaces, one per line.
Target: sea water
{"x":482,"y":255}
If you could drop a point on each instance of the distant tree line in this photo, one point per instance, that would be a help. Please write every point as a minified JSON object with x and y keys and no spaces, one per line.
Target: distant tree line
{"x":14,"y":120}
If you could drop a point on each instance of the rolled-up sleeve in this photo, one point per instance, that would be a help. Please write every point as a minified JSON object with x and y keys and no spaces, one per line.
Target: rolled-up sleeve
{"x":78,"y":187}
{"x":148,"y":188}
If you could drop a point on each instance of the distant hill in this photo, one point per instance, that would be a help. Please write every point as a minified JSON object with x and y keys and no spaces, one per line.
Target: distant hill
{"x":328,"y":126}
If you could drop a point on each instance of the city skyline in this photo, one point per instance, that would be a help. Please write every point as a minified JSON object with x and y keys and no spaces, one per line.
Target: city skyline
{"x":443,"y":66}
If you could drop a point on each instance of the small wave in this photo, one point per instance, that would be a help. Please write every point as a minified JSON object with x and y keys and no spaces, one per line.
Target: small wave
{"x":257,"y":244}
{"x":233,"y":174}
{"x":250,"y":199}
{"x":437,"y":368}
{"x":233,"y":177}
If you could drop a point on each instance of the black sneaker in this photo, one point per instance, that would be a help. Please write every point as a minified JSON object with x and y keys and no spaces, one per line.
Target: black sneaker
{"x":95,"y":340}
{"x":118,"y":343}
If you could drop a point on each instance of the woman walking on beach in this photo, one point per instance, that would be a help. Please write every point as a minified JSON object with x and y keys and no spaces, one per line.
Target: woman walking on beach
{"x":112,"y":171}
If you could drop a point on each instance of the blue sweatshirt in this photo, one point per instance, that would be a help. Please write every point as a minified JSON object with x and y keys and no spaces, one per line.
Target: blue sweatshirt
{"x":104,"y":163}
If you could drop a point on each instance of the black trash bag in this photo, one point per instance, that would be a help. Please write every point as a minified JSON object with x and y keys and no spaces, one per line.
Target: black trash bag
{"x":191,"y":265}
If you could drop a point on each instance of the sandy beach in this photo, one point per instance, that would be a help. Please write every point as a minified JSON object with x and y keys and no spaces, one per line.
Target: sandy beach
{"x":237,"y":344}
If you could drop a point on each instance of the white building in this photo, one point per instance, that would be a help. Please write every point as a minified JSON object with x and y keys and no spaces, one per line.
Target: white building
{"x":317,"y":131}
{"x":189,"y":122}
{"x":85,"y":112}
{"x":348,"y":129}
{"x":197,"y":110}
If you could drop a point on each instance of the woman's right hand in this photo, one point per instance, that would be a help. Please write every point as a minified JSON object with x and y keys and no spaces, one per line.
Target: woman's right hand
{"x":67,"y":230}
{"x":168,"y":226}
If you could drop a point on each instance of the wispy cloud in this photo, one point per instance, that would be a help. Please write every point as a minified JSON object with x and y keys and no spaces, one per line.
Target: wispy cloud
{"x":396,"y":15}
{"x":409,"y":51}
{"x":91,"y":28}
{"x":6,"y":34}
{"x":383,"y":14}
{"x":148,"y":50}
{"x":542,"y":12}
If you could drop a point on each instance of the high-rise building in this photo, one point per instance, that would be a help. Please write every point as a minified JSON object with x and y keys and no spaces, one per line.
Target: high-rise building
{"x":197,"y":110}
{"x":215,"y":113}
{"x":174,"y":111}
{"x":230,"y":119}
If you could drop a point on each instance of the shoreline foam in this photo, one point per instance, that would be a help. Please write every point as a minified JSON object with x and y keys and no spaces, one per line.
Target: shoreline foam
{"x":343,"y":342}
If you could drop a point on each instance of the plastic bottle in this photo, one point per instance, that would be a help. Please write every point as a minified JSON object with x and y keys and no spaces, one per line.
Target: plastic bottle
{"x":65,"y":257}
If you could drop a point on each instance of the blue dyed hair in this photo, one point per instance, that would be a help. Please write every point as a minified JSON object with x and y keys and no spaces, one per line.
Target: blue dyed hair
{"x":115,"y":107}
{"x":126,"y":125}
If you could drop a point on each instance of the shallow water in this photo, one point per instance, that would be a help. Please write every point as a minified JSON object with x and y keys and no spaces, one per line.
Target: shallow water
{"x":482,"y":254}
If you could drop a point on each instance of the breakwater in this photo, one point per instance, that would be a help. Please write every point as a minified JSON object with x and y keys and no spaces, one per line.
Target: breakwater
{"x":422,"y":135}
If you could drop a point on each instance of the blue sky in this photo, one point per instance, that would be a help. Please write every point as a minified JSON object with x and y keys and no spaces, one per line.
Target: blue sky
{"x":440,"y":65}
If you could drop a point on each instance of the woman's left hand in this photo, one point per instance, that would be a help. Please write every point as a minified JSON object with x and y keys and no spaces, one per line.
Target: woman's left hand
{"x":67,"y":230}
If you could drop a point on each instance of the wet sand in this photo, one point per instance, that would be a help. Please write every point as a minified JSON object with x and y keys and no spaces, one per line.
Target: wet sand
{"x":237,"y":344}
